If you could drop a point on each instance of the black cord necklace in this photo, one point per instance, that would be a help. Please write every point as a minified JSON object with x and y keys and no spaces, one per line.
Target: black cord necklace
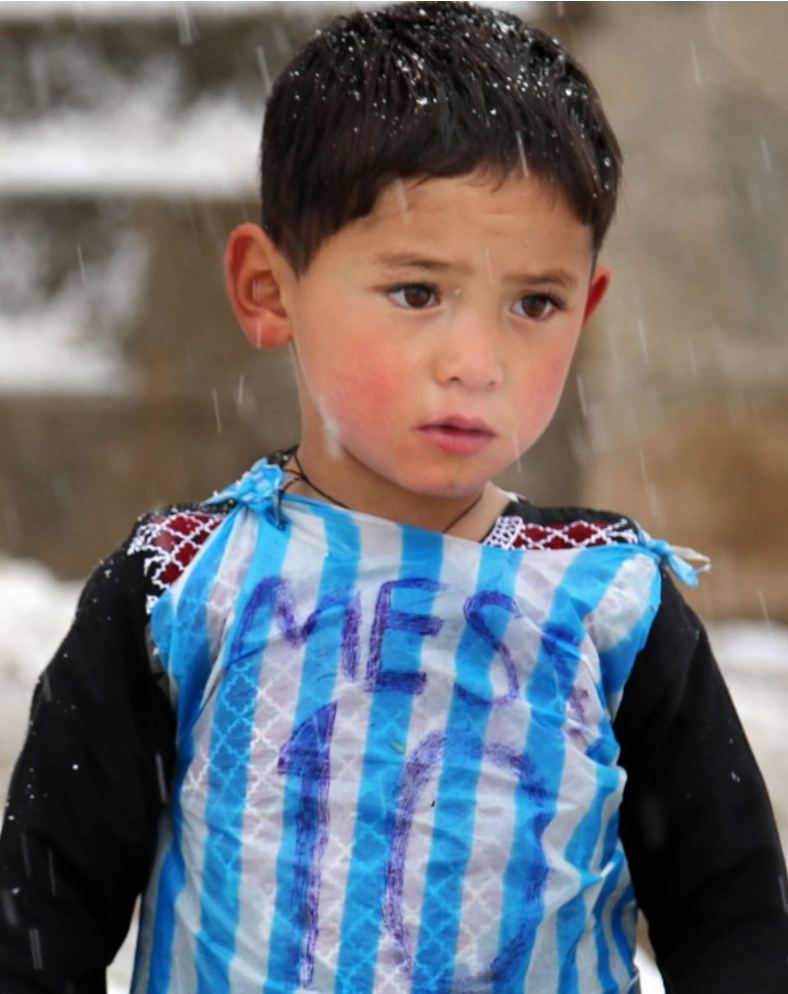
{"x":300,"y":476}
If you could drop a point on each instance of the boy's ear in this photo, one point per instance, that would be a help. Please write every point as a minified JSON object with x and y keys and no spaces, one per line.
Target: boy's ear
{"x":600,"y":281}
{"x":255,"y":273}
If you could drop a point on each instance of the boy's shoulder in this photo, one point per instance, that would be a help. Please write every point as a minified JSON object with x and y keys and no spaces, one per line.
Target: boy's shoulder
{"x":164,"y":542}
{"x":524,"y":525}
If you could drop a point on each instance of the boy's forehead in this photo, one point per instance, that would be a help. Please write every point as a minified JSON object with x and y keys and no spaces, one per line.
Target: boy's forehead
{"x":482,"y":191}
{"x":448,"y":213}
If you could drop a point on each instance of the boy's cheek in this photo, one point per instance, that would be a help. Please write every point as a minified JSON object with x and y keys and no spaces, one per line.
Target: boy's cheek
{"x":373,"y":375}
{"x":359,"y":390}
{"x":373,"y":400}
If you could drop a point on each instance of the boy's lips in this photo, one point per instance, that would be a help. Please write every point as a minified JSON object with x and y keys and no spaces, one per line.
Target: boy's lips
{"x":458,"y":435}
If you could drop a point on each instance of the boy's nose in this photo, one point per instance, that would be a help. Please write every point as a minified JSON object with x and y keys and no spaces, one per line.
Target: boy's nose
{"x":472,"y":357}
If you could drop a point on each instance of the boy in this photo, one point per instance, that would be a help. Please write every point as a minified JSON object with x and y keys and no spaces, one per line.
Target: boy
{"x":362,"y":722}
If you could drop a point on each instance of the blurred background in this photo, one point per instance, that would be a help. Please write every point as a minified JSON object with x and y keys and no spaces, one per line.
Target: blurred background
{"x":128,"y":150}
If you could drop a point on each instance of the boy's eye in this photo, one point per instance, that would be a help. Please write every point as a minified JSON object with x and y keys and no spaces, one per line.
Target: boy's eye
{"x":535,"y":307}
{"x":414,"y":296}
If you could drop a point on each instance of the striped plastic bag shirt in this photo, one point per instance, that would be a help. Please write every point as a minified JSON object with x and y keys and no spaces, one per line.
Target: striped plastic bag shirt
{"x":397,"y":769}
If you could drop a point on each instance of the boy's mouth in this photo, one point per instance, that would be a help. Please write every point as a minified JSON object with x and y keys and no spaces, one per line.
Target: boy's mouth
{"x":458,"y":435}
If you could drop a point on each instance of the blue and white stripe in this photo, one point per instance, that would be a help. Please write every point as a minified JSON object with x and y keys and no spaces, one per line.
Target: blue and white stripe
{"x":397,"y":769}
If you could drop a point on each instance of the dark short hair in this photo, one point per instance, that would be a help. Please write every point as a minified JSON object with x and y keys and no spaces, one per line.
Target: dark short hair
{"x":421,"y":90}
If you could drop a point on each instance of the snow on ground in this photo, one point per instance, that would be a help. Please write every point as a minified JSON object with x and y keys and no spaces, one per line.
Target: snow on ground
{"x":37,"y":610}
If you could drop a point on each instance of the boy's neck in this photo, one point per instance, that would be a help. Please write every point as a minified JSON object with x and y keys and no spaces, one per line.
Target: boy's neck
{"x":467,"y":516}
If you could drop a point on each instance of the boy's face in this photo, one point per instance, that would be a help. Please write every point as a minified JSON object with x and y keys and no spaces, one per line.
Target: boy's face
{"x":432,"y":339}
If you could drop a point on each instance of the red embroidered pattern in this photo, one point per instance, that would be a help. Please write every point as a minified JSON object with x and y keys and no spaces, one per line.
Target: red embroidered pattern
{"x":512,"y":532}
{"x":172,"y":541}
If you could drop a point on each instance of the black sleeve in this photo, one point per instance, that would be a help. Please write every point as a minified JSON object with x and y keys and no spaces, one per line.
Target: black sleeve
{"x":80,"y":823}
{"x":696,"y":821}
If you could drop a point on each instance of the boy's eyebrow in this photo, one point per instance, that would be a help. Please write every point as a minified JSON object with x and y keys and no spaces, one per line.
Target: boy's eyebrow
{"x":404,"y":260}
{"x":552,"y":277}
